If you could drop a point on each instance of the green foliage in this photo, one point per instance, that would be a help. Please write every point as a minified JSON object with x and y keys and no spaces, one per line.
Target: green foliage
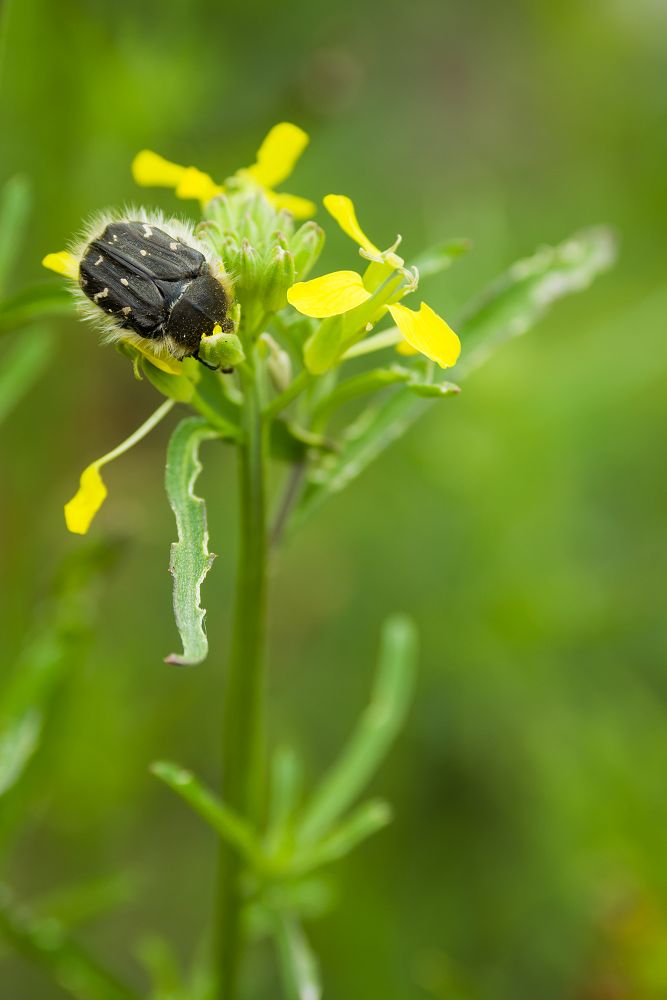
{"x":51,"y":653}
{"x":509,"y":307}
{"x":190,"y":558}
{"x":22,"y":365}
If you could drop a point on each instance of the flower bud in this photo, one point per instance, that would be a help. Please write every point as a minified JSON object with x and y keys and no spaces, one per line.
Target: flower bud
{"x":278,"y":365}
{"x":248,"y":271}
{"x":306,"y":245}
{"x":221,"y":210}
{"x":285,"y":223}
{"x":229,"y":252}
{"x":277,"y":278}
{"x":221,"y":350}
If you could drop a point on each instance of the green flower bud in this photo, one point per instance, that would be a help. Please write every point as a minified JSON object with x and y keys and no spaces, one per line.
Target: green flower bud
{"x":221,"y":350}
{"x":261,"y":212}
{"x":278,"y":365}
{"x":285,"y":223}
{"x":228,"y":249}
{"x":277,"y":278}
{"x":221,"y":210}
{"x":278,"y":239}
{"x":248,"y":271}
{"x":306,"y":245}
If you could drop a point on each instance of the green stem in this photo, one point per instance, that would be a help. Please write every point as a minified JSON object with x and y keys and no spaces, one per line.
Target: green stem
{"x":243,"y":715}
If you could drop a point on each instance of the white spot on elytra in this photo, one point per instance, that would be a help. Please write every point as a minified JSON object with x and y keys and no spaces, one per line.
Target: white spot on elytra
{"x":144,"y":253}
{"x":124,"y":281}
{"x":100,"y":295}
{"x":126,"y":310}
{"x":148,"y":232}
{"x":99,"y":260}
{"x":174,"y":246}
{"x":115,"y":238}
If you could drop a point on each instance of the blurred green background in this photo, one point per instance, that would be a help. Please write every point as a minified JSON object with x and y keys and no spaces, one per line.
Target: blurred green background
{"x":521,"y":524}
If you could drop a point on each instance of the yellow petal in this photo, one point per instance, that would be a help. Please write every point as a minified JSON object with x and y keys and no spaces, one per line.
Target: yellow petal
{"x":342,"y":209}
{"x":195,"y":183}
{"x":407,"y":350}
{"x":86,"y":502}
{"x":169,"y":365}
{"x":301,"y":208}
{"x":62,"y":263}
{"x":151,"y":170}
{"x":427,"y":333}
{"x":278,"y":154}
{"x":330,"y":295}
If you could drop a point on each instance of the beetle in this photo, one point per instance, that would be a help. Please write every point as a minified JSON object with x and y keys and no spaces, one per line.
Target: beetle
{"x":154,"y":285}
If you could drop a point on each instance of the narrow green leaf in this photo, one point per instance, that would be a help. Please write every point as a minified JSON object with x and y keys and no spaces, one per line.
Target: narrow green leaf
{"x":74,"y":905}
{"x":45,"y":943}
{"x":190,"y":558}
{"x":286,"y":789}
{"x":509,"y":307}
{"x":373,"y":431}
{"x":230,"y":826}
{"x":53,"y":649}
{"x":15,"y":202}
{"x":374,"y":734}
{"x":298,"y":963}
{"x":163,"y":969}
{"x":516,"y":301}
{"x":21,"y":366}
{"x":439,"y":257}
{"x":368,"y":819}
{"x":31,"y":304}
{"x":358,"y":385}
{"x":19,"y":739}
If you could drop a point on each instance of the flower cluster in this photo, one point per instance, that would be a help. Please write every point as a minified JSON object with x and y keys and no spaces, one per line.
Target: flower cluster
{"x":293,"y":327}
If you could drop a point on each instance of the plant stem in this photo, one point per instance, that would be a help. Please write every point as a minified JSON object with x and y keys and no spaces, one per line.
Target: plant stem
{"x":242,"y":739}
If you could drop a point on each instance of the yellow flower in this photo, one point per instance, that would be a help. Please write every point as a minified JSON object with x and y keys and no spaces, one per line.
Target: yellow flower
{"x":276,"y":159}
{"x":91,"y":494}
{"x":334,"y":294}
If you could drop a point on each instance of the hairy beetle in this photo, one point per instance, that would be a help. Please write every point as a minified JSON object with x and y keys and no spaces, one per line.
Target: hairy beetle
{"x":155,"y":285}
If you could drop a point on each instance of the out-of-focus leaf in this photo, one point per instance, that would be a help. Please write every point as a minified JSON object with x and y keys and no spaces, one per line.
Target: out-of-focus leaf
{"x":374,"y":734}
{"x":439,"y":257}
{"x":509,"y":307}
{"x":31,"y":304}
{"x":74,"y":905}
{"x":358,"y":385}
{"x":19,"y":738}
{"x":368,"y":819}
{"x":290,"y":443}
{"x":46,"y":943}
{"x":53,"y":650}
{"x":15,"y":200}
{"x":224,"y":820}
{"x":374,"y":430}
{"x":163,"y":969}
{"x":21,"y":365}
{"x":517,"y":300}
{"x":298,"y":963}
{"x":190,"y":558}
{"x":286,"y":787}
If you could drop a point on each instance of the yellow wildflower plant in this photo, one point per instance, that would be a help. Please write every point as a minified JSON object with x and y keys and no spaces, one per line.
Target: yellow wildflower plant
{"x":276,"y":159}
{"x":339,"y":292}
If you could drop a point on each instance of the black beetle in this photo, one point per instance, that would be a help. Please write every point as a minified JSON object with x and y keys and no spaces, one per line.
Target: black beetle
{"x":155,"y":285}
